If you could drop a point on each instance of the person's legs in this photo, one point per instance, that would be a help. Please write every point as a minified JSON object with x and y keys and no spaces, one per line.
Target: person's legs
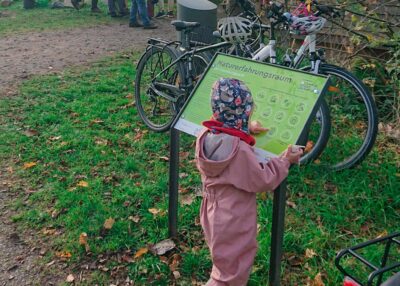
{"x":150,"y":9}
{"x":111,"y":8}
{"x":122,"y":8}
{"x":95,"y":9}
{"x":133,"y":13}
{"x":143,"y":13}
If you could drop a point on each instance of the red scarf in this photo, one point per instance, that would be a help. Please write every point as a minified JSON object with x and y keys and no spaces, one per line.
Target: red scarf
{"x":217,"y":126}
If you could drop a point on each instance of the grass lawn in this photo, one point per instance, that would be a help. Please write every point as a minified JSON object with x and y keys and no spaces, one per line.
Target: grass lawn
{"x":76,"y":139}
{"x":16,"y":19}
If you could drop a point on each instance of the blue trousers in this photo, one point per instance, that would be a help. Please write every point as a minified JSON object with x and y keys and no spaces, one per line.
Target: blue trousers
{"x":139,"y":5}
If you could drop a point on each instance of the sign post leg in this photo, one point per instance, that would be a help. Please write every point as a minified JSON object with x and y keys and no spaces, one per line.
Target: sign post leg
{"x":278,"y":224}
{"x":173,"y":183}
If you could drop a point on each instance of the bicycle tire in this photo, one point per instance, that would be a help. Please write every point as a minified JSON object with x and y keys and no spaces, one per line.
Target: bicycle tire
{"x":321,"y":134}
{"x":156,"y":111}
{"x":352,"y":108}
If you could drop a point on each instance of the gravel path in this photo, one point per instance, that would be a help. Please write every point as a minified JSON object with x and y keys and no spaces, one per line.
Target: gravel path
{"x":40,"y":52}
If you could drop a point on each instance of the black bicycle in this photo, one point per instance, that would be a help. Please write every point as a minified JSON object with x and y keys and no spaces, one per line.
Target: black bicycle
{"x":166,"y":74}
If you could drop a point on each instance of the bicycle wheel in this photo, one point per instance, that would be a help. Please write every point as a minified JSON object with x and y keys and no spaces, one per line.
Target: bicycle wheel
{"x":158,"y":92}
{"x":354,"y":122}
{"x":317,"y":135}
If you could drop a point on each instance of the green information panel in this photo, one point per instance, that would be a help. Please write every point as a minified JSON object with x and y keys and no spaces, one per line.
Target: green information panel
{"x":284,"y":100}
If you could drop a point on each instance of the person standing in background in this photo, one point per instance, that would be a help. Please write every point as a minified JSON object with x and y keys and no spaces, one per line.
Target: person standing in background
{"x":140,"y":6}
{"x":122,"y":10}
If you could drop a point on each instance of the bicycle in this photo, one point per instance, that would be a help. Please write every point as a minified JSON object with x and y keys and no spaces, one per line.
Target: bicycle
{"x":177,"y":73}
{"x":347,"y":97}
{"x":166,"y":74}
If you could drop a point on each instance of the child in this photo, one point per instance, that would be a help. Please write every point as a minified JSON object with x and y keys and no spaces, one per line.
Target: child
{"x":231,"y":177}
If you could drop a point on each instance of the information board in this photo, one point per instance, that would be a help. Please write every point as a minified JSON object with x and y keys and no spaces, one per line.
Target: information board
{"x":284,"y":100}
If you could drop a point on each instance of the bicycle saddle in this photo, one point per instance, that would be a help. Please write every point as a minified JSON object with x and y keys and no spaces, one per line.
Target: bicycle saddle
{"x":183,"y":25}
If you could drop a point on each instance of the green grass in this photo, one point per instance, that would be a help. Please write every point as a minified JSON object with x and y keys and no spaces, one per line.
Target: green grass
{"x":87,"y":130}
{"x":16,"y":19}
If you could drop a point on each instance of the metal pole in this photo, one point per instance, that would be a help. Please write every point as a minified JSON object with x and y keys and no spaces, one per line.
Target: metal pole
{"x":173,"y":182}
{"x":278,"y":225}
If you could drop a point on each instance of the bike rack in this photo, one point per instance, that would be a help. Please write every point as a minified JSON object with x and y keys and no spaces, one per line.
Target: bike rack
{"x":393,"y":239}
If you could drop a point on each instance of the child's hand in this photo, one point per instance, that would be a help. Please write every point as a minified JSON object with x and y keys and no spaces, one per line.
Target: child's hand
{"x":256,"y":127}
{"x":293,"y":157}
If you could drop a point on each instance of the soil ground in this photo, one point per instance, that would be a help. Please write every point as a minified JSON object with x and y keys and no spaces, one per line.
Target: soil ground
{"x":37,"y":53}
{"x":42,"y":52}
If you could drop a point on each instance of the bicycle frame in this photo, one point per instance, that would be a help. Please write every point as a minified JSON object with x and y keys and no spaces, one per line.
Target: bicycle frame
{"x":309,"y":43}
{"x":185,"y":57}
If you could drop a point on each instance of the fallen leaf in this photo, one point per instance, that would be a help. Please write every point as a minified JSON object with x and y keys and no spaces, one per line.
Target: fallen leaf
{"x":183,"y":155}
{"x":330,"y":187}
{"x":141,"y":252}
{"x":176,"y":274}
{"x":164,"y":158}
{"x":31,"y":132}
{"x":382,"y":234}
{"x":183,"y":175}
{"x":309,"y":146}
{"x":127,"y":258}
{"x":154,"y":211}
{"x":82,"y":184}
{"x":83,"y":238}
{"x":54,"y":138}
{"x":108,"y":224}
{"x":100,"y":141}
{"x":183,"y":191}
{"x":49,"y":231}
{"x":291,"y":204}
{"x":263,"y":196}
{"x":135,"y":218}
{"x":96,"y":121}
{"x":310,"y":253}
{"x":162,"y":247}
{"x":138,"y":136}
{"x":318,"y":280}
{"x":64,"y":254}
{"x":70,"y":278}
{"x":176,"y":260}
{"x":187,"y":200}
{"x":29,"y":165}
{"x":309,"y":182}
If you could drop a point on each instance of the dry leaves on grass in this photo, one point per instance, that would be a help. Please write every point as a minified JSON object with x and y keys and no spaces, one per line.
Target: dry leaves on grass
{"x":83,"y":240}
{"x":108,"y":223}
{"x":156,"y":212}
{"x":31,"y":132}
{"x":70,"y":278}
{"x":317,"y":280}
{"x":310,"y":253}
{"x":141,"y":252}
{"x":135,"y":218}
{"x":64,"y":255}
{"x":186,"y":199}
{"x":29,"y":165}
{"x":291,"y":204}
{"x":162,"y":247}
{"x":82,"y":184}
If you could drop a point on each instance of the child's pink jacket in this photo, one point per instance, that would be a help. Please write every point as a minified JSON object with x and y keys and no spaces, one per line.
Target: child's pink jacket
{"x":231,"y":177}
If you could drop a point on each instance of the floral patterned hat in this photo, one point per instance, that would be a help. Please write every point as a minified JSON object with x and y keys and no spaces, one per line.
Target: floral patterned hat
{"x":231,"y":103}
